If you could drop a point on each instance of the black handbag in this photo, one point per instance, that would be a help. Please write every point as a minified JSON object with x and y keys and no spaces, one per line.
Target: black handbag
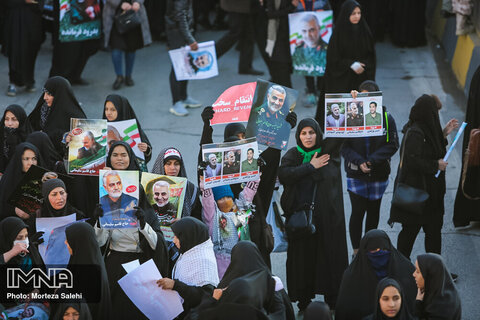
{"x":299,"y":224}
{"x":405,"y":197}
{"x":126,"y":21}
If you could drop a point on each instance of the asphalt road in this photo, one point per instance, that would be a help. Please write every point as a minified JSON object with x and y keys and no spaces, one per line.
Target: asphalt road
{"x":402,"y":74}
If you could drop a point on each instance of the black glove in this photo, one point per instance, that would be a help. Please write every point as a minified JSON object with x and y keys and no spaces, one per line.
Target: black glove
{"x":207,"y":114}
{"x":292,"y":119}
{"x":140,"y":217}
{"x":261,"y":162}
{"x":36,"y":238}
{"x":97,"y":213}
{"x":202,"y":165}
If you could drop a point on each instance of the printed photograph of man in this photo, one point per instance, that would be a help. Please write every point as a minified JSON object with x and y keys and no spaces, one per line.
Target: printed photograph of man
{"x":112,"y":136}
{"x":231,"y":164}
{"x":90,"y":146}
{"x":354,"y":119}
{"x":213,"y":168}
{"x":336,"y":117}
{"x":311,"y":50}
{"x":373,"y":118}
{"x":250,"y":164}
{"x":166,"y":211}
{"x":115,"y":199}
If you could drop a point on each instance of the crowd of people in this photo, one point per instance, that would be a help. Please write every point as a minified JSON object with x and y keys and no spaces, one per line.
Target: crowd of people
{"x":218,"y":274}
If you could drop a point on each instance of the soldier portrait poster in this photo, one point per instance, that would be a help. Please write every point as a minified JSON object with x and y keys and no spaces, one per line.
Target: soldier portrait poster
{"x":234,"y":104}
{"x":350,"y":118}
{"x":79,"y":20}
{"x":271,"y":104}
{"x":230,"y":162}
{"x":195,"y":65}
{"x":87,"y":149}
{"x":119,"y":195}
{"x":310,"y":33}
{"x":166,"y":195}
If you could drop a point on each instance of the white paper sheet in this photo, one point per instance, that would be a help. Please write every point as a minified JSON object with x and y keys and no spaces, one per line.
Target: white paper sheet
{"x":140,"y":285}
{"x":130,"y":266}
{"x":47,"y":225}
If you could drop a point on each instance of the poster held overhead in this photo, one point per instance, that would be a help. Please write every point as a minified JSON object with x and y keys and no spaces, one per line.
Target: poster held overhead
{"x":234,"y":104}
{"x":195,"y":65}
{"x":271,"y":105}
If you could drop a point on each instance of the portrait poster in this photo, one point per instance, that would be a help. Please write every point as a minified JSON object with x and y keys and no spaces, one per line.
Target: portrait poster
{"x":230,"y":162}
{"x":195,"y":65}
{"x":87,"y":151}
{"x":119,"y":196}
{"x":271,"y":105}
{"x":346,"y":117}
{"x":310,"y":32}
{"x":166,"y":195}
{"x":79,"y":20}
{"x":27,"y":311}
{"x":126,"y":130}
{"x":27,"y":195}
{"x":234,"y":104}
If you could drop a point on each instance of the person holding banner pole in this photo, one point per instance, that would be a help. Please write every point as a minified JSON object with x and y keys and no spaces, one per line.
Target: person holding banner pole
{"x":178,"y":22}
{"x":424,"y":145}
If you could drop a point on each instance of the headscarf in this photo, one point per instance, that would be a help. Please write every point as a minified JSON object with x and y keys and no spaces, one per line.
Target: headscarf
{"x":424,"y":113}
{"x":441,"y":298}
{"x":81,"y":238}
{"x":308,"y":153}
{"x":357,"y":290}
{"x":192,"y":192}
{"x":47,"y":150}
{"x":197,"y":265}
{"x":64,"y":107}
{"x":126,"y":112}
{"x":12,"y":176}
{"x":48,"y":210}
{"x":82,"y":309}
{"x":232,"y":129}
{"x":317,"y":310}
{"x":10,"y":137}
{"x":133,"y":165}
{"x":402,"y":314}
{"x":9,"y":229}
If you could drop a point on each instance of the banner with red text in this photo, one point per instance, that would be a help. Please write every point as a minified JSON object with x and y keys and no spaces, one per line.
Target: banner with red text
{"x":234,"y":104}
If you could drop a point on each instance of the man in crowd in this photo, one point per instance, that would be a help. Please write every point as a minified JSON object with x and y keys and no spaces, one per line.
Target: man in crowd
{"x":166,"y":212}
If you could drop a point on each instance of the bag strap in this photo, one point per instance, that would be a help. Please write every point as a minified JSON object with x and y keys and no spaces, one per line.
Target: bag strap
{"x":312,"y":205}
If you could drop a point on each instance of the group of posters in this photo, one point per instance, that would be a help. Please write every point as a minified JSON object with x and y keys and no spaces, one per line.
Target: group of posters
{"x":195,"y":65}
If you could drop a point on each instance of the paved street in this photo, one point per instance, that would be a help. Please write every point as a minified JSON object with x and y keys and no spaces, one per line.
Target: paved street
{"x":402,"y":74}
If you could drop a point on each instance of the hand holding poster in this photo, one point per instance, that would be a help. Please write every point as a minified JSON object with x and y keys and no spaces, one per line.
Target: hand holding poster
{"x":195,"y":65}
{"x":118,"y":196}
{"x":234,"y":104}
{"x":126,"y":130}
{"x":270,"y":107}
{"x":87,"y":149}
{"x":166,"y":195}
{"x":347,"y":117}
{"x":310,"y":33}
{"x":79,"y":20}
{"x":230,"y":162}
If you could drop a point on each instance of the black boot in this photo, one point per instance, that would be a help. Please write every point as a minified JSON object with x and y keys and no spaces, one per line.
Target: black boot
{"x":118,"y":83}
{"x":129,"y":81}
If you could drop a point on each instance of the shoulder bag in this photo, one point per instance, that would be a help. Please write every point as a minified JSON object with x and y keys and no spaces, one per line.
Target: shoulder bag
{"x":299,"y":224}
{"x":405,"y":197}
{"x":126,"y":21}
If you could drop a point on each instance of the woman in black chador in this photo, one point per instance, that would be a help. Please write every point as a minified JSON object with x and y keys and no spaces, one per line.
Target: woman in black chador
{"x":53,"y":111}
{"x":315,"y":262}
{"x":12,"y":132}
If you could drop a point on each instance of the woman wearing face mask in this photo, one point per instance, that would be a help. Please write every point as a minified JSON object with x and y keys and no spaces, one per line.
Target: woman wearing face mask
{"x":195,"y":272}
{"x":437,"y":297}
{"x":389,"y":302}
{"x":170,"y":162}
{"x":24,"y":157}
{"x":84,"y":250}
{"x":321,"y":256}
{"x":118,"y":108}
{"x":53,"y":111}
{"x":12,"y":132}
{"x":376,"y":259}
{"x":125,"y":245}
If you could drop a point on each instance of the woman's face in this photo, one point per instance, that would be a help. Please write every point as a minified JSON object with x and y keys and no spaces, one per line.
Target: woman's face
{"x":176,"y":241}
{"x":28,"y":159}
{"x":390,"y":301}
{"x":11,"y":120}
{"x":120,"y":159}
{"x":417,"y":274}
{"x":57,"y":198}
{"x":48,"y":98}
{"x":355,"y":16}
{"x":172,"y":167}
{"x":111,"y":111}
{"x":308,"y":137}
{"x":22,"y":235}
{"x":71,"y":314}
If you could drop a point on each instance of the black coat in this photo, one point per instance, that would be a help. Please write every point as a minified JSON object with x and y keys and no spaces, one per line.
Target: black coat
{"x":419,"y":168}
{"x":315,"y":264}
{"x":281,"y":50}
{"x":10,"y":138}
